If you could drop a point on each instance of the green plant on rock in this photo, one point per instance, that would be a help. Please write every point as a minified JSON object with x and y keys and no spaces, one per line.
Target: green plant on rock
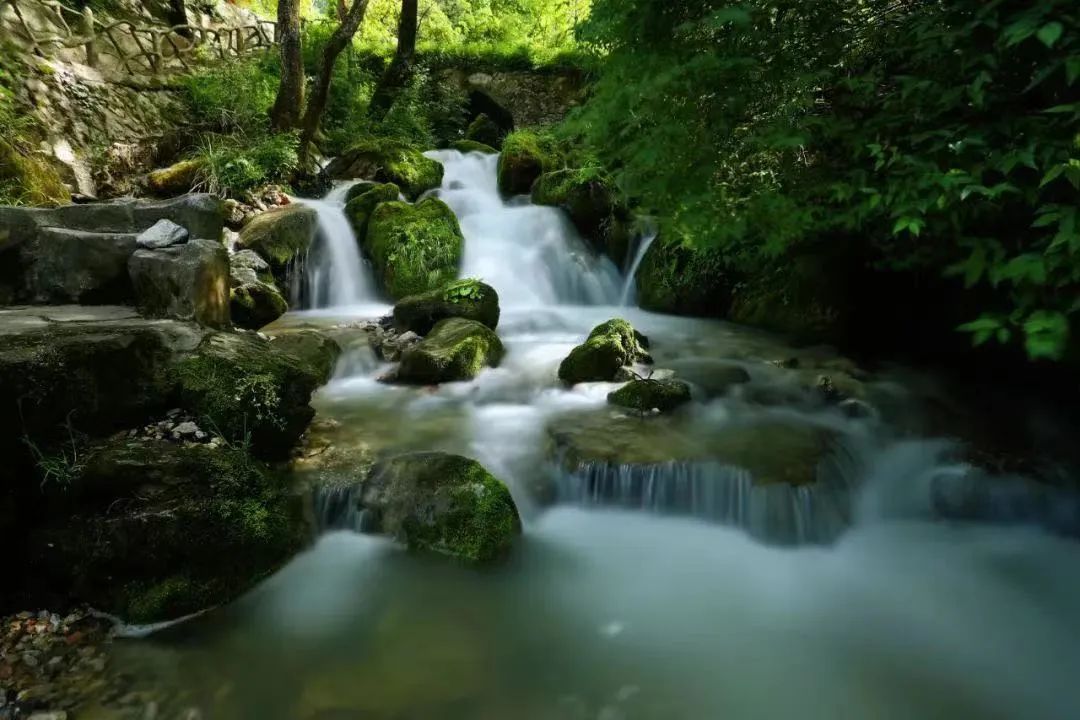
{"x":465,"y":290}
{"x":61,"y":467}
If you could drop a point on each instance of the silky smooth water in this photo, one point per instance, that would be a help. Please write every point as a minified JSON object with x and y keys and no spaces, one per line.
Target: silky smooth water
{"x":646,"y":590}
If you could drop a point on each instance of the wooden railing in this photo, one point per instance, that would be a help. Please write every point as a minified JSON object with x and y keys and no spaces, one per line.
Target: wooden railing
{"x":149,"y":49}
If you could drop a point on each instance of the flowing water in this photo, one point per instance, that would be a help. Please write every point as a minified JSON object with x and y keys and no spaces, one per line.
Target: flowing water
{"x":762,"y":553}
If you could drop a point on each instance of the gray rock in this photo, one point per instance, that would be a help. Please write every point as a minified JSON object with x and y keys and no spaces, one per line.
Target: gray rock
{"x":248,"y":260}
{"x":185,"y":429}
{"x":186,"y":282}
{"x":162,"y":234}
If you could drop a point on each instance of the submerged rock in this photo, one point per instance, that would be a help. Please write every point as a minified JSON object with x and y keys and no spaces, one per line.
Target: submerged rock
{"x":186,"y":282}
{"x":594,"y":205}
{"x":388,"y":162}
{"x":609,"y":347}
{"x":359,"y":207}
{"x":442,"y":503}
{"x":163,"y":530}
{"x":646,"y":395}
{"x":455,"y":349}
{"x":469,"y":299}
{"x":279,"y":236}
{"x":415,"y":248}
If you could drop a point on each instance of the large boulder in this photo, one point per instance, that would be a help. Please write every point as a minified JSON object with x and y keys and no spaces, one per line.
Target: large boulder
{"x":646,"y":394}
{"x":485,"y":130}
{"x":281,"y":236}
{"x":176,"y":179}
{"x":442,"y":503}
{"x":160,"y":530}
{"x":609,"y":347}
{"x":252,"y":390}
{"x":469,"y":146}
{"x":415,"y":248}
{"x":360,"y":207}
{"x":63,"y":266}
{"x":469,"y":299}
{"x":682,"y":279}
{"x":526,"y":155}
{"x":254,"y":299}
{"x":594,"y":205}
{"x":186,"y":282}
{"x":455,"y":349}
{"x":388,"y":162}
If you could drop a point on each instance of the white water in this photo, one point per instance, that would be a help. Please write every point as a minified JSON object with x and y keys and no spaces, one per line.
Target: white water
{"x":335,"y":275}
{"x":666,"y":605}
{"x":629,"y":291}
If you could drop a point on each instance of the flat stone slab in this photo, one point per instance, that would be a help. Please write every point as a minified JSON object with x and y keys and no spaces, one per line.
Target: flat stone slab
{"x":20,"y":319}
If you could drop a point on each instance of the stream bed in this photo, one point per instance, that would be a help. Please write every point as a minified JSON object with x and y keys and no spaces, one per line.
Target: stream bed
{"x":766,"y":552}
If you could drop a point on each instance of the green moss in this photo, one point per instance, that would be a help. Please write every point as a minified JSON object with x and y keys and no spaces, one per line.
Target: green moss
{"x":359,"y":208}
{"x":681,"y":279}
{"x":645,"y":395}
{"x":804,"y":298}
{"x":485,"y":130}
{"x":280,"y":235}
{"x":446,"y":504}
{"x":594,"y":204}
{"x":610,"y":346}
{"x":415,"y":248}
{"x":28,"y":180}
{"x":455,"y":349}
{"x":468,"y":146}
{"x":469,"y":299}
{"x":389,"y":161}
{"x":256,"y":305}
{"x":172,"y":597}
{"x":176,"y":179}
{"x":526,"y":155}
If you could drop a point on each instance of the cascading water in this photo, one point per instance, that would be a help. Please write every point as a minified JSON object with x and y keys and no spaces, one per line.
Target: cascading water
{"x":334,"y":273}
{"x":629,"y":291}
{"x":641,"y":588}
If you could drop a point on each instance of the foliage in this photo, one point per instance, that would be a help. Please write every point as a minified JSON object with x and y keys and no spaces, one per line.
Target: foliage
{"x":231,"y":165}
{"x":465,"y":290}
{"x":234,"y":96}
{"x":61,"y":467}
{"x":941,"y":137}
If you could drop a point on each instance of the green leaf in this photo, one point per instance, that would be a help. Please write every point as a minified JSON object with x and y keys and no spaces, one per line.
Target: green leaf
{"x":1050,"y":33}
{"x":1046,"y":335}
{"x":1047,"y":218}
{"x":1054,"y":174}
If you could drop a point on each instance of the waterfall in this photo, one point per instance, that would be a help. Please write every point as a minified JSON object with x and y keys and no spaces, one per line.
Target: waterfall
{"x":529,"y":253}
{"x":337,"y":507}
{"x":335,"y":274}
{"x":629,"y":290}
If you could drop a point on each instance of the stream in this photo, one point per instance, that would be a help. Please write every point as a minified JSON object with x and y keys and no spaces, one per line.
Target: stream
{"x":658,"y":577}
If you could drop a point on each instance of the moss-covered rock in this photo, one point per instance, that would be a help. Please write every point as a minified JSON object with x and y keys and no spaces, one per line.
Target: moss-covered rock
{"x":455,"y":349}
{"x":469,"y":299}
{"x":359,"y":188}
{"x":250,"y":390}
{"x":468,"y":146}
{"x":610,"y":346}
{"x":387,"y":161}
{"x":646,"y":395}
{"x":176,"y":179}
{"x":415,"y":248}
{"x":281,"y":235}
{"x":679,"y":279}
{"x":805,"y":298}
{"x":162,"y":531}
{"x":29,"y":180}
{"x":594,"y":205}
{"x":526,"y":155}
{"x":254,"y":299}
{"x":359,"y":208}
{"x":485,"y":130}
{"x":442,"y":503}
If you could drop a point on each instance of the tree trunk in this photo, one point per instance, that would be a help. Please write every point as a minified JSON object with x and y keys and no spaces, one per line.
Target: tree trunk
{"x":290,"y":96}
{"x":177,"y":15}
{"x":398,"y":74}
{"x":342,"y":11}
{"x":317,"y":103}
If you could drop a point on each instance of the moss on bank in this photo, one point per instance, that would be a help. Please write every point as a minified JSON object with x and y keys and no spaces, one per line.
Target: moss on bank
{"x":29,"y":180}
{"x":681,"y":279}
{"x":388,"y":161}
{"x":595,"y":206}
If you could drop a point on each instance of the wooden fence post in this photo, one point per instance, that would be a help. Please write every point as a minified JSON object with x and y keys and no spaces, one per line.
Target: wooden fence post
{"x":88,"y":31}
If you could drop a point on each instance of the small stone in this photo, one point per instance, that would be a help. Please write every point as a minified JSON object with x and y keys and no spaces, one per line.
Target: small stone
{"x":175,"y":412}
{"x":408,"y":337}
{"x":52,"y":715}
{"x":200,"y":435}
{"x":163,"y":234}
{"x":30,"y":660}
{"x":186,"y":429}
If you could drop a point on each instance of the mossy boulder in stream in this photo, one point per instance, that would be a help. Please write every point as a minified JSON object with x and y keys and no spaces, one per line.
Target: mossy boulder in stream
{"x":610,"y":346}
{"x":455,"y":349}
{"x":387,"y":161}
{"x":681,"y":279}
{"x":442,"y":503}
{"x":645,"y":395}
{"x":160,"y":530}
{"x":469,"y":299}
{"x":468,"y":146}
{"x":359,"y":208}
{"x":485,"y":130}
{"x":280,"y":236}
{"x":595,"y":206}
{"x":415,"y":248}
{"x":526,"y":155}
{"x":250,"y":389}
